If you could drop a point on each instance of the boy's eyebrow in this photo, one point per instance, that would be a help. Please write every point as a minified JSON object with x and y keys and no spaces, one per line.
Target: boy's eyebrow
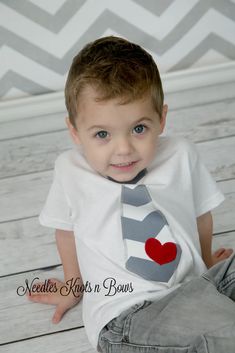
{"x":95,"y":127}
{"x":143,"y":118}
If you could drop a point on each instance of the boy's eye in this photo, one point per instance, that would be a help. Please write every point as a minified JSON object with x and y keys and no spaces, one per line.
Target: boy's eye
{"x":102,"y":134}
{"x":139,"y":129}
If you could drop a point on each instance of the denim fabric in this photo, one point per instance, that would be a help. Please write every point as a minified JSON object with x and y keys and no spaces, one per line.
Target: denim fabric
{"x":198,"y":317}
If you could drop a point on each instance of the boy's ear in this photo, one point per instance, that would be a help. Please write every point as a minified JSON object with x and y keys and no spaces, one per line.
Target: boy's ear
{"x":72,"y":131}
{"x":163,"y":117}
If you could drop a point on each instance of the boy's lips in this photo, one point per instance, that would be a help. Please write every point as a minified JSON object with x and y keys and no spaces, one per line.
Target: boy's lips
{"x":124,"y":166}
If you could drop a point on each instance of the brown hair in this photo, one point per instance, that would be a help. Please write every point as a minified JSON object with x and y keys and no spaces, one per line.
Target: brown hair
{"x":115,"y":67}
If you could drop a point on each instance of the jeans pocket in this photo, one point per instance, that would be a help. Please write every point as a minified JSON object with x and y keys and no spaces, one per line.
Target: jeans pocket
{"x":116,"y":331}
{"x":134,"y":310}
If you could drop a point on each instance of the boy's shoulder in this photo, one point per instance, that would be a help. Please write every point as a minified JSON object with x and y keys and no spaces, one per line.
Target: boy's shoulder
{"x":174,"y":156}
{"x":70,"y":159}
{"x":176,"y":145}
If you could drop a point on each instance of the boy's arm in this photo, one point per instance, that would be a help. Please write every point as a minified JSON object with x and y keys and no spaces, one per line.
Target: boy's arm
{"x":66,"y":246}
{"x":65,"y":242}
{"x":205,"y":230}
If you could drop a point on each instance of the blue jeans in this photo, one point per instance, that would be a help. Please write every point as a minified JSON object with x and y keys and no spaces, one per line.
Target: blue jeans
{"x":198,"y":317}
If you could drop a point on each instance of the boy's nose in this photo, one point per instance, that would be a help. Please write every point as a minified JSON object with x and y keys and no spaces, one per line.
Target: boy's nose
{"x":123,"y":146}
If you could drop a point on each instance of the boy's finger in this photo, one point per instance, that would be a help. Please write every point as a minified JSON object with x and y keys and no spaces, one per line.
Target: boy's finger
{"x":42,"y":298}
{"x":53,"y":280}
{"x":60,"y":310}
{"x":219,"y":252}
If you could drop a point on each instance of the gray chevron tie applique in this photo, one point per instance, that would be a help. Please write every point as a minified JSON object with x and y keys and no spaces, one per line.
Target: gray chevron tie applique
{"x":151,"y":251}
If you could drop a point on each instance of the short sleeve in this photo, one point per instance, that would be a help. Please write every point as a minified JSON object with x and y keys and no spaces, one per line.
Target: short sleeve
{"x":206,"y":193}
{"x":56,"y":212}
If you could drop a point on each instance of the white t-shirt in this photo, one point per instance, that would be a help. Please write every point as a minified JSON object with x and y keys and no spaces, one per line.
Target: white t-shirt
{"x":85,"y":202}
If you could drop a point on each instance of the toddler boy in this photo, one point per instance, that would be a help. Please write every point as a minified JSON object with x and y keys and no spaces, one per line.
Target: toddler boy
{"x":132,"y":216}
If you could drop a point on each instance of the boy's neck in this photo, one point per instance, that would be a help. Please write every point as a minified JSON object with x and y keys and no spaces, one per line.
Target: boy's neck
{"x":135,"y":180}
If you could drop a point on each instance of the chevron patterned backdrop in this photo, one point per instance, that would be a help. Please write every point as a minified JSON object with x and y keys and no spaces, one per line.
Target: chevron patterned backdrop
{"x":40,"y":37}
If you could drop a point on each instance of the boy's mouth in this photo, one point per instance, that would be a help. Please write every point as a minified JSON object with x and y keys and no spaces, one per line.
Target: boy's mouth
{"x":124,"y":166}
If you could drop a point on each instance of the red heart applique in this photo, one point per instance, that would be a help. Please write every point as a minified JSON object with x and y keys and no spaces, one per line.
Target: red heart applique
{"x":160,"y":253}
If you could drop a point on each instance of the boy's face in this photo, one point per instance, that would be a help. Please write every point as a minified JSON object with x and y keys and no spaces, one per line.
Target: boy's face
{"x":118,"y":140}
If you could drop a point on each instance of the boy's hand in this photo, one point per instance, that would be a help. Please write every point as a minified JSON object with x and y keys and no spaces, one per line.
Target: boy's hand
{"x":220,"y":255}
{"x":63,"y":302}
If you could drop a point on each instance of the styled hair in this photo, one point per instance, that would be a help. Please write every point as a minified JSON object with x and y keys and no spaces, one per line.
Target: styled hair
{"x":115,"y":68}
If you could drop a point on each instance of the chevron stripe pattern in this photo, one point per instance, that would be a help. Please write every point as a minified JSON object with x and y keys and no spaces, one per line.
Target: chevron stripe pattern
{"x":151,"y":251}
{"x":39,"y":38}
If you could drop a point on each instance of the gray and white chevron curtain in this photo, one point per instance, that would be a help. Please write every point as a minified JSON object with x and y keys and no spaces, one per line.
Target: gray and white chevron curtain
{"x":40,"y":37}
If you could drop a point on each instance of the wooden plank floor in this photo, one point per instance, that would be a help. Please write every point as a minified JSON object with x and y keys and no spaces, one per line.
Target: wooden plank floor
{"x":27,"y":250}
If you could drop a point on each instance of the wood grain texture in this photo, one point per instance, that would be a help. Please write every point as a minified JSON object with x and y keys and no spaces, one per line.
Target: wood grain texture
{"x":219,"y":157}
{"x":203,"y":122}
{"x":32,"y":154}
{"x":72,"y":341}
{"x":26,"y":245}
{"x":224,"y":240}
